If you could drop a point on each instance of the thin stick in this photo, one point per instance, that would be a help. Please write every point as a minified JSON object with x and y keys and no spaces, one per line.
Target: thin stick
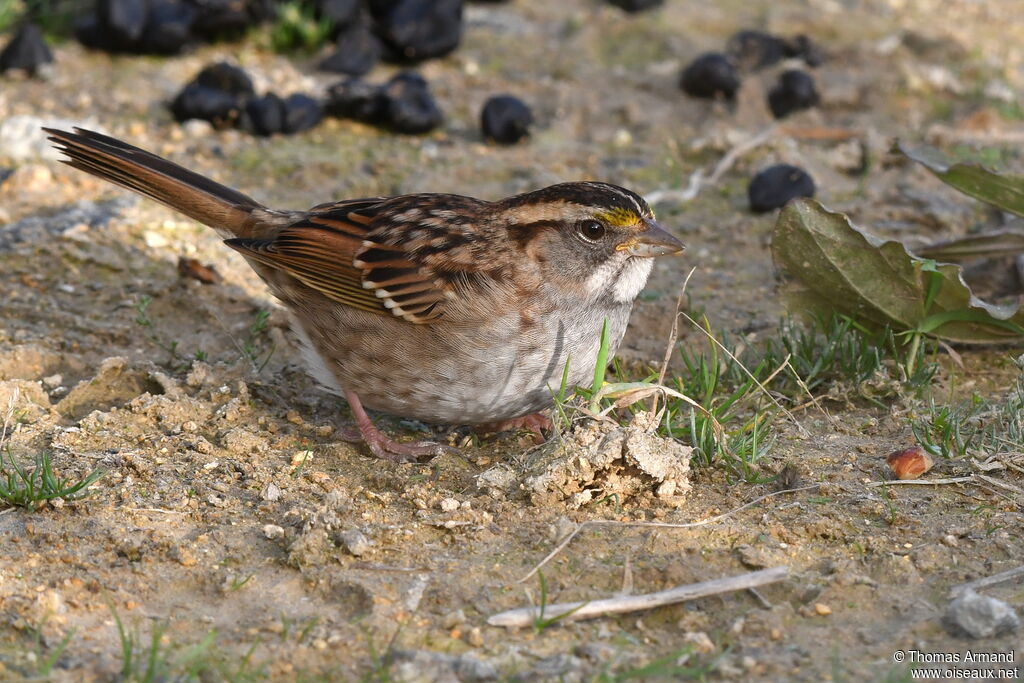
{"x":661,"y":525}
{"x":573,"y":611}
{"x":697,"y":180}
{"x":1002,"y":484}
{"x":987,"y":581}
{"x":739,"y":150}
{"x":743,"y":367}
{"x":673,"y":335}
{"x":922,"y":482}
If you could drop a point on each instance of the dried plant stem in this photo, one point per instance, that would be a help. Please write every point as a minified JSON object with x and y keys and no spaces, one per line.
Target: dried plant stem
{"x":574,"y":611}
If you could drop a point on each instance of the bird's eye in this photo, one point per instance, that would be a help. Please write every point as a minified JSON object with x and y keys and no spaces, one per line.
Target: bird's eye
{"x":591,"y":231}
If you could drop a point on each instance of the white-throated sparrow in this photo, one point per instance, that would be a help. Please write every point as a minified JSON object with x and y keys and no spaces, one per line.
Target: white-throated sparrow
{"x":437,"y":307}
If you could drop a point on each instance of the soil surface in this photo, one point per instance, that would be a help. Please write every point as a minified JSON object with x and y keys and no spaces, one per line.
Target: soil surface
{"x":232,"y":509}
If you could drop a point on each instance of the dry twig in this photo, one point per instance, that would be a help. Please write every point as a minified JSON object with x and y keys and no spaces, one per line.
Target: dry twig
{"x":922,"y":482}
{"x":987,"y":581}
{"x":573,"y":611}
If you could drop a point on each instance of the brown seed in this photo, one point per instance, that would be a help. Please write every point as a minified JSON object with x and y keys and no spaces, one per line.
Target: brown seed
{"x":190,"y":267}
{"x":909,"y":463}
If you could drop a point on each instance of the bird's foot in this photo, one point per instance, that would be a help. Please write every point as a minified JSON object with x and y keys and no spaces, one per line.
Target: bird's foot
{"x":535,"y":423}
{"x":382,"y":446}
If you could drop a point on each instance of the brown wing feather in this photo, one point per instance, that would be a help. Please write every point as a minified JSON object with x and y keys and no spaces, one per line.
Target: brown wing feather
{"x":325,"y":251}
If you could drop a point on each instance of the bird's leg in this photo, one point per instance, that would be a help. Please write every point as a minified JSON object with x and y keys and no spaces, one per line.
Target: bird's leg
{"x":382,"y":446}
{"x":535,"y":423}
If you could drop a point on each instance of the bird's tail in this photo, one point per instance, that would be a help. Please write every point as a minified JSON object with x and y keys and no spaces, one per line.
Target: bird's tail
{"x":227,"y":211}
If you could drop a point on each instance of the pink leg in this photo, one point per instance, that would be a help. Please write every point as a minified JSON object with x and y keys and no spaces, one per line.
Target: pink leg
{"x":535,"y":423}
{"x":382,"y":446}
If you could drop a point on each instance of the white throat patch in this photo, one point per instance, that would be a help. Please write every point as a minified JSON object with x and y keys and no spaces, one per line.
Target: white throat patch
{"x":632,"y":276}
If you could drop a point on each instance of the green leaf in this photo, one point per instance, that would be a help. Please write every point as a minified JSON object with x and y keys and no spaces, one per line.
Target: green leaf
{"x":1002,"y":190}
{"x":831,"y":266}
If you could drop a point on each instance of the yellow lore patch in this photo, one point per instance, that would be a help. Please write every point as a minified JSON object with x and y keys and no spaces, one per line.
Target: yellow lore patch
{"x":619,"y":218}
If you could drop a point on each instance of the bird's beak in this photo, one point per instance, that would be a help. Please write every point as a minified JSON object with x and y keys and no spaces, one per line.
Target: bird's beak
{"x":652,"y":241}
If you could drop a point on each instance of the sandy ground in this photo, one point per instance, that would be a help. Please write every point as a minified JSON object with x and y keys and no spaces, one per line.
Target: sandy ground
{"x":231,"y":507}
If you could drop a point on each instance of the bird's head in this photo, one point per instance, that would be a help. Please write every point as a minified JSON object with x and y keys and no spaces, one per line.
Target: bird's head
{"x":597,"y":237}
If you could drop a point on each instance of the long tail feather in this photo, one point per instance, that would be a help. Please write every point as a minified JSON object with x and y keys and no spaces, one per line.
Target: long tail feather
{"x":227,"y":211}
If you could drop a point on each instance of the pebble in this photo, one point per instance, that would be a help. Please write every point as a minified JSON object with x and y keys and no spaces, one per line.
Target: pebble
{"x":632,"y":6}
{"x":775,"y":186}
{"x":711,"y":75}
{"x":821,"y":609}
{"x":22,"y":137}
{"x":355,"y":542}
{"x":980,"y":616}
{"x":414,"y":30}
{"x":271,"y":492}
{"x":505,"y":119}
{"x":795,"y":91}
{"x":272,"y":531}
{"x":449,"y":504}
{"x":27,"y":51}
{"x":357,"y":51}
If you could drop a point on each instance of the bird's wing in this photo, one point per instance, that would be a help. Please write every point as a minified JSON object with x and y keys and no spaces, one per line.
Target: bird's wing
{"x":348,"y":252}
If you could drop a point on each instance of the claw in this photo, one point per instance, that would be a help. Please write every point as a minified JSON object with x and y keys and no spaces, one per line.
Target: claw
{"x":383,"y":446}
{"x":535,"y":423}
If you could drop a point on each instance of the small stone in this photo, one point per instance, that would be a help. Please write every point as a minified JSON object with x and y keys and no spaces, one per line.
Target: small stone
{"x":355,"y":542}
{"x":633,"y":6}
{"x":53,"y":381}
{"x":271,"y":492}
{"x":821,"y":609}
{"x":26,"y":52}
{"x":777,"y":185}
{"x":168,"y":27}
{"x":950,"y":541}
{"x":184,"y":556}
{"x":702,"y":643}
{"x":475,"y":637}
{"x":453,"y":619}
{"x":415,"y":30}
{"x":409,"y":105}
{"x":505,"y":119}
{"x":155,"y":240}
{"x":301,"y":112}
{"x":979,"y":616}
{"x":216,"y":94}
{"x":324,"y":430}
{"x":358,"y":50}
{"x":449,"y":504}
{"x":264,"y":116}
{"x":711,"y":75}
{"x":273,"y":531}
{"x":794,"y":92}
{"x":754,"y":50}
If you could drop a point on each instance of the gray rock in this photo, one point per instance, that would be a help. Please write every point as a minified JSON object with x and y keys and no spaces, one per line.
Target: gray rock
{"x":22,"y":138}
{"x":424,"y":666}
{"x":979,"y":616}
{"x":40,"y":228}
